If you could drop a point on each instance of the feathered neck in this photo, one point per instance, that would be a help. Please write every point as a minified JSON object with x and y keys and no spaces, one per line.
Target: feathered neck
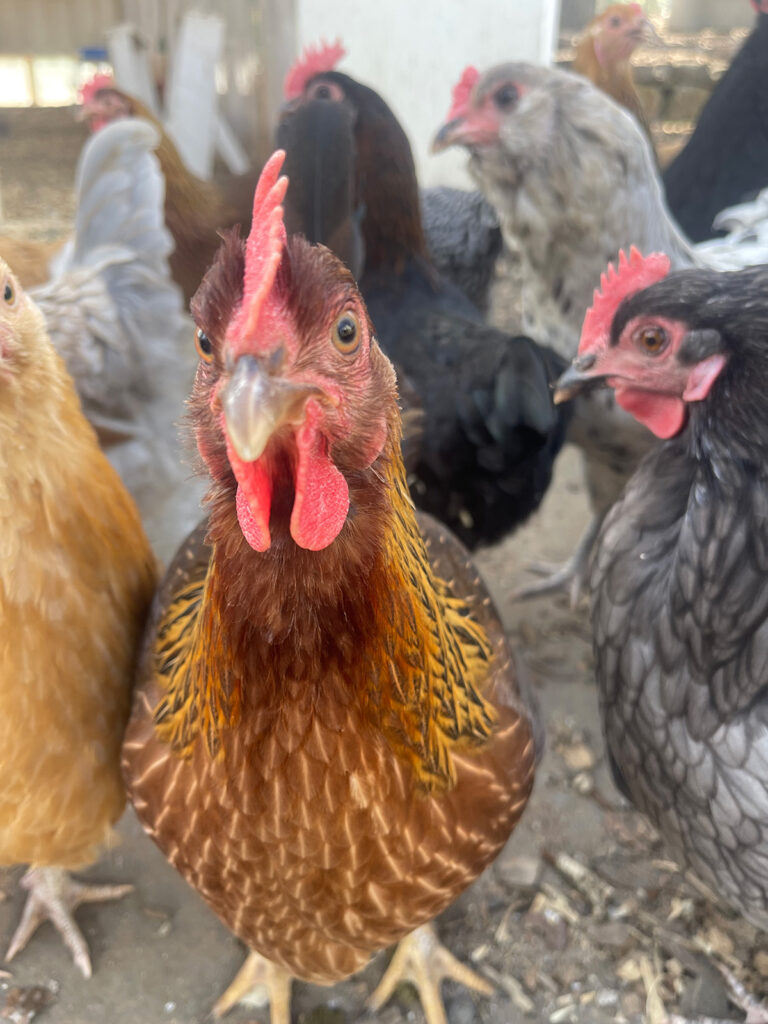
{"x":365,"y":622}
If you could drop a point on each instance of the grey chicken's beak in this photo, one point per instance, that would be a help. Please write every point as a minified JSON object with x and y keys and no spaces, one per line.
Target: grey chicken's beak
{"x":449,"y":135}
{"x":256,"y":404}
{"x":577,"y":379}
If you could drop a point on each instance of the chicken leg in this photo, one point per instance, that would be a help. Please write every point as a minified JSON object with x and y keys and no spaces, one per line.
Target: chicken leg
{"x":257,"y":982}
{"x":421,"y":959}
{"x":54,"y":896}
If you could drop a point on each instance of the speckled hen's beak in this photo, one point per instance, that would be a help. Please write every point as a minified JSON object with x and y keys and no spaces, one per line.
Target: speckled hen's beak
{"x":256,"y":404}
{"x":577,"y":378}
{"x":449,"y":135}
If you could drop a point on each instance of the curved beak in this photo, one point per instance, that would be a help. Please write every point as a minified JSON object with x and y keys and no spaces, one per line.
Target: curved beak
{"x":256,"y":404}
{"x":577,"y":378}
{"x":449,"y":135}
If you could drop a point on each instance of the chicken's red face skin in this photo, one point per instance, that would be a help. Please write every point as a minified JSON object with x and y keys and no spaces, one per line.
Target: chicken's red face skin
{"x":295,"y":402}
{"x":475,"y":119}
{"x":647,"y":375}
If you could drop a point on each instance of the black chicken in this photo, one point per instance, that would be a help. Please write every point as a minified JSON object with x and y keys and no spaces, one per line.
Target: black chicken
{"x":490,"y":430}
{"x":680,"y":574}
{"x":726,"y":158}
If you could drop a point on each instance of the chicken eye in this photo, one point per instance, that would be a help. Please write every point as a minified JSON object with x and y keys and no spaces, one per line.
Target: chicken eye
{"x":204,"y":346}
{"x":615,"y":21}
{"x":652,"y":339}
{"x":346,"y":334}
{"x":8,"y":293}
{"x":322,"y":92}
{"x":506,"y":96}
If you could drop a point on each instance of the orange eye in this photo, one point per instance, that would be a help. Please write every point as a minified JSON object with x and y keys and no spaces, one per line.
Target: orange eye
{"x":652,"y":339}
{"x":204,"y":346}
{"x":346,"y":334}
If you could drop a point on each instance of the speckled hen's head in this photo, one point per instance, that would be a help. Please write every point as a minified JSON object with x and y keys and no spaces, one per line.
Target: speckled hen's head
{"x":293,"y":396}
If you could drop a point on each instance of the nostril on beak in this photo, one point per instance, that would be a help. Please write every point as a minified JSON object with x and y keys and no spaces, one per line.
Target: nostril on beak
{"x":585,"y":362}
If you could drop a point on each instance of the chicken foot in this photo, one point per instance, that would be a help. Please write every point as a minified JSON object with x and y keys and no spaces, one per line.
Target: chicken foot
{"x":54,"y":896}
{"x":259,"y":981}
{"x":421,"y":959}
{"x":572,"y":575}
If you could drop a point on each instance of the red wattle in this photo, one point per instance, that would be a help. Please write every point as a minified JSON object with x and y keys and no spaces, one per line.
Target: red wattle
{"x":254,"y":499}
{"x":321,"y":499}
{"x":665,"y":415}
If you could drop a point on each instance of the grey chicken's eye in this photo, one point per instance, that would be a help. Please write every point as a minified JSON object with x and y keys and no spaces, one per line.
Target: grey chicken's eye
{"x":652,"y":339}
{"x":346,"y":334}
{"x":203,"y":345}
{"x":8,"y":293}
{"x":506,"y":96}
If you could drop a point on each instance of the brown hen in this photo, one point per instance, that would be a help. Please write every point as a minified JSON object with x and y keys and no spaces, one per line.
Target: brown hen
{"x":76,"y":580}
{"x":603,"y":55}
{"x":328,"y":739}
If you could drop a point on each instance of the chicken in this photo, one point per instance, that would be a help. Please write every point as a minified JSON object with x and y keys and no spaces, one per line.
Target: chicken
{"x":489,"y":434}
{"x":678,"y":582}
{"x":572,"y":179}
{"x":77,"y":580}
{"x":603,"y":54}
{"x":328,"y":740}
{"x":115,"y":317}
{"x":195,"y":210}
{"x":726,"y":159}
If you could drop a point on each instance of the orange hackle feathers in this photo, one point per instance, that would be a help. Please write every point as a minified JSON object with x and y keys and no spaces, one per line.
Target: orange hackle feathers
{"x":314,"y":61}
{"x":632,"y":276}
{"x":462,"y":92}
{"x":264,"y":248}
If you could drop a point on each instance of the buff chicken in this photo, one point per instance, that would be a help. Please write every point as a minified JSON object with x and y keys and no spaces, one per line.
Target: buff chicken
{"x":77,"y":581}
{"x":328,"y":739}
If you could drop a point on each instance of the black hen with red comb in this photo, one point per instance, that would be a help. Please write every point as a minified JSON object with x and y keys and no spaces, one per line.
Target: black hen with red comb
{"x":680,"y":573}
{"x":490,"y":431}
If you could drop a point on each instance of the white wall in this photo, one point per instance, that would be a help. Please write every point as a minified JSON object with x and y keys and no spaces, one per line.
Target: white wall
{"x":413,"y":52}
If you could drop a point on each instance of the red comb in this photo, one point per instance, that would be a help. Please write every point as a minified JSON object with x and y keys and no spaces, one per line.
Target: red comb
{"x":264,"y":248}
{"x":633,"y":275}
{"x":462,"y":91}
{"x":312,"y":62}
{"x":89,"y":89}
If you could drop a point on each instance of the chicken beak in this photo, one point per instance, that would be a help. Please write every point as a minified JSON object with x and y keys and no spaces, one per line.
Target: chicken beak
{"x":449,"y":135}
{"x":256,"y":404}
{"x":577,"y":378}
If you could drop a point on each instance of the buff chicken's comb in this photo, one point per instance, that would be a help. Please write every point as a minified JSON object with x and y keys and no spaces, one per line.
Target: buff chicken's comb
{"x":312,"y":62}
{"x":462,"y":91}
{"x":632,"y":276}
{"x":266,"y":242}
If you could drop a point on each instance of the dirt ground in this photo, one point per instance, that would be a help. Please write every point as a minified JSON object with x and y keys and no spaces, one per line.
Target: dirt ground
{"x":583,"y":918}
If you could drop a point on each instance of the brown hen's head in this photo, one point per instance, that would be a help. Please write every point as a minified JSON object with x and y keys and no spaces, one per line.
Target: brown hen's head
{"x":662,"y":341}
{"x":293,"y":398}
{"x":617,"y":32}
{"x":101,"y":102}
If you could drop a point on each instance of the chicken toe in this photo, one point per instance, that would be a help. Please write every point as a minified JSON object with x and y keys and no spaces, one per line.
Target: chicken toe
{"x":421,"y":959}
{"x":54,"y":896}
{"x":259,"y":981}
{"x":570,"y":577}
